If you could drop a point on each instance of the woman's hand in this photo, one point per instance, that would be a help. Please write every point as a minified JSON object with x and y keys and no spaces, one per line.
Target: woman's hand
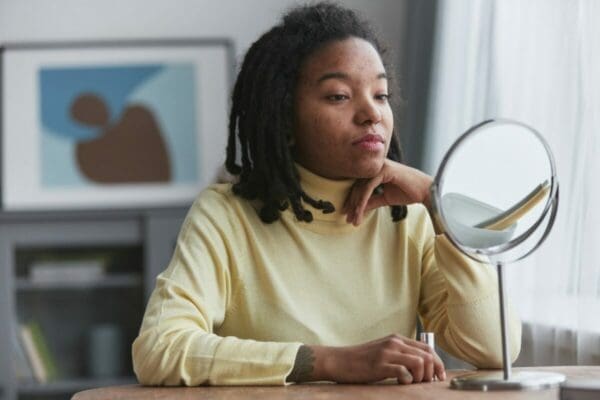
{"x":402,"y":185}
{"x":394,"y":356}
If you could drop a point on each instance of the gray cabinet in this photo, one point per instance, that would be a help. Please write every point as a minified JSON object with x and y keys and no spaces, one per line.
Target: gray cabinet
{"x":136,"y":246}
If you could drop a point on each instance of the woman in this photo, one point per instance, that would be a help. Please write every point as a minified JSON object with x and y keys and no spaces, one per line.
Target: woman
{"x":297,"y":272}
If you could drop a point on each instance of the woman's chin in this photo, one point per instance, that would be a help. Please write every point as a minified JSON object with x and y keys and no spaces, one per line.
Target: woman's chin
{"x":370,"y":169}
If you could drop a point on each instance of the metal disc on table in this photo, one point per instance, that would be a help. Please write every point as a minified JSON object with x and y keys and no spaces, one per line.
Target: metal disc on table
{"x":519,"y":380}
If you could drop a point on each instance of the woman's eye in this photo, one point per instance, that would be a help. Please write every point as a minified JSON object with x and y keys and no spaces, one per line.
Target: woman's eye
{"x":337,"y":97}
{"x":383,"y":96}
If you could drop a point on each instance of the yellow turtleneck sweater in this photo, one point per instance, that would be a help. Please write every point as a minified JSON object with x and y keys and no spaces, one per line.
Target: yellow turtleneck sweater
{"x":240,"y":296}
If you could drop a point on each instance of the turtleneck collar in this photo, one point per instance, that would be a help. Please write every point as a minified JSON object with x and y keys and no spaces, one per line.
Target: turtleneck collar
{"x":319,"y":188}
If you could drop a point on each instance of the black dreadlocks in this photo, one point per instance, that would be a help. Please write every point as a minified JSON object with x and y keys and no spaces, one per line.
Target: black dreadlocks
{"x":262,"y":111}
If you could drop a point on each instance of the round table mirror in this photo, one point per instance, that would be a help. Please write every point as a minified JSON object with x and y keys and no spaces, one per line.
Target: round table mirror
{"x":495,"y":196}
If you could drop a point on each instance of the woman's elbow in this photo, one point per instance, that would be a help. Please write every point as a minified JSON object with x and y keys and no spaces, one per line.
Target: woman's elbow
{"x":144,"y":361}
{"x":153,"y":362}
{"x":162,"y":358}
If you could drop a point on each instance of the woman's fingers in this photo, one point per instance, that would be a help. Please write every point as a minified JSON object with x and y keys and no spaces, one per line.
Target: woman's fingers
{"x":375,"y":201}
{"x":415,"y":364}
{"x":419,"y":365}
{"x":365,"y":194}
{"x":359,"y":197}
{"x":438,"y":366}
{"x":423,"y":363}
{"x":401,"y":373}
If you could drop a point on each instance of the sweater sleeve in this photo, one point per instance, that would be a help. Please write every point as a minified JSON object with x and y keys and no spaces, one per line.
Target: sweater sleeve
{"x":459,"y":302}
{"x":177,"y":345}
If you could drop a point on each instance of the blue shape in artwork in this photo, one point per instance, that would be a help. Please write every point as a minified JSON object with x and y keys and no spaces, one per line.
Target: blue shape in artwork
{"x":59,"y":87}
{"x":58,"y":162}
{"x":177,"y":116}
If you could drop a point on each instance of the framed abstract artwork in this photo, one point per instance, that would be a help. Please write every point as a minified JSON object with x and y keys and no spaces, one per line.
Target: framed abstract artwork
{"x":119,"y":125}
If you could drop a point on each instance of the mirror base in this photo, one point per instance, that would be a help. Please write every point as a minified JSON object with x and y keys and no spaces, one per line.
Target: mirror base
{"x":494,"y":380}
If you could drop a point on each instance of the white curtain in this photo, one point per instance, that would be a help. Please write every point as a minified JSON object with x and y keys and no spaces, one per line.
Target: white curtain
{"x":537,"y":61}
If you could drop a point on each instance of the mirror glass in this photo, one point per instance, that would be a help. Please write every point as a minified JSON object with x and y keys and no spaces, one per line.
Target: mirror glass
{"x":495,"y":189}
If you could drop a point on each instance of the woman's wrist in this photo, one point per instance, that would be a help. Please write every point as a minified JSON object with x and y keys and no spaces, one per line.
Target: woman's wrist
{"x":313,"y":363}
{"x":325,"y":363}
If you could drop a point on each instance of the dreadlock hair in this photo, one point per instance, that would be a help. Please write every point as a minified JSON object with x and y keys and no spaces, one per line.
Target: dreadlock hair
{"x":262,"y":112}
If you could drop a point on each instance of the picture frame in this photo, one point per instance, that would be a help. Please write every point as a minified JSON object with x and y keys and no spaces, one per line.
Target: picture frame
{"x":112,"y":125}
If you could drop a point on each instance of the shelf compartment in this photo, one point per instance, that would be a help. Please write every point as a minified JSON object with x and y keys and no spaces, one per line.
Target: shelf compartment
{"x":107,"y":282}
{"x":67,"y":317}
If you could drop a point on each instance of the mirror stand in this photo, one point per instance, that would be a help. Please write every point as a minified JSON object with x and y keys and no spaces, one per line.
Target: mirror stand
{"x":505,"y":380}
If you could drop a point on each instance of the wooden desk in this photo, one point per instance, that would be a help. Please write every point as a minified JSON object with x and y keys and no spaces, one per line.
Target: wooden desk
{"x":326,"y":391}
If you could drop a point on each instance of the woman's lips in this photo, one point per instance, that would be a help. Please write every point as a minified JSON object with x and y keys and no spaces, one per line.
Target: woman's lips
{"x":370,"y":142}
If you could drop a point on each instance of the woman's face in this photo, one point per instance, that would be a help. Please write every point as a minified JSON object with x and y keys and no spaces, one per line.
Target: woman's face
{"x":343,"y":121}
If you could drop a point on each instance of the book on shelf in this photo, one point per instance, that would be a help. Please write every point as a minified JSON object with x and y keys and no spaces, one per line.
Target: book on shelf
{"x":67,"y":271}
{"x":42,"y":361}
{"x":20,"y":361}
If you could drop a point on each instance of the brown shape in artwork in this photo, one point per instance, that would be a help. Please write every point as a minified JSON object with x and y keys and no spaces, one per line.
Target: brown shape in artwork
{"x":131,"y":150}
{"x":90,"y":109}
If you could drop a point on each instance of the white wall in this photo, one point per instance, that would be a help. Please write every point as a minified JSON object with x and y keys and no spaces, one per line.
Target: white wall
{"x":242,"y":21}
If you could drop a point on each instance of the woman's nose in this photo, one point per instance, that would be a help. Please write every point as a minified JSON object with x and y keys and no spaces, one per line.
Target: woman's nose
{"x":368,"y":113}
